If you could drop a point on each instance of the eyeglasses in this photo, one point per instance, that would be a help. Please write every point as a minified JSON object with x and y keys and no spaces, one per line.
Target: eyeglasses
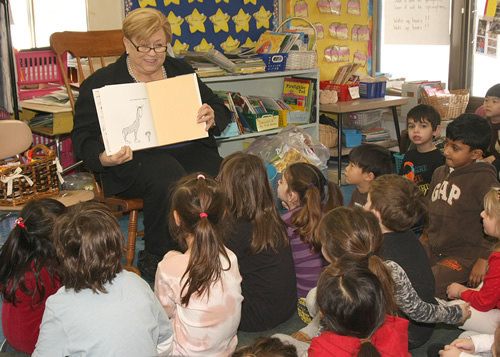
{"x":146,"y":49}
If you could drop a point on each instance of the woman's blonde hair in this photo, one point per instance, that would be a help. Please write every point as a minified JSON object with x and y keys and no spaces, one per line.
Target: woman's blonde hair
{"x":141,"y":24}
{"x":492,"y":209}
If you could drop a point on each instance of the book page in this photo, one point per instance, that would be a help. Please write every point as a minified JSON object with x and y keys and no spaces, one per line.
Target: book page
{"x":125,"y":117}
{"x":174,"y":105}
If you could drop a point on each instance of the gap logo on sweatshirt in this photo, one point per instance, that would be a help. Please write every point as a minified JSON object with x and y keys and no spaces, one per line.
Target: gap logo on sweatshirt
{"x":440,"y":192}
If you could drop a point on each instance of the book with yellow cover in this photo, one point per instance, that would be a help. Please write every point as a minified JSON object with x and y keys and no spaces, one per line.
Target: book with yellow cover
{"x":269,"y":42}
{"x":145,"y":115}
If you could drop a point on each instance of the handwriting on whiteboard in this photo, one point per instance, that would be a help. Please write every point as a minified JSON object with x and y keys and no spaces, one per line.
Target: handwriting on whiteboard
{"x":417,"y":22}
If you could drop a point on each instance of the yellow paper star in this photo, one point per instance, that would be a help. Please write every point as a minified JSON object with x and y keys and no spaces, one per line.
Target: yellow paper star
{"x":262,"y":17}
{"x":180,"y":47}
{"x":241,"y":21}
{"x":196,"y":21}
{"x":230,"y":45}
{"x":218,"y":1}
{"x":175,"y":23}
{"x":220,"y":20}
{"x":144,"y":3}
{"x":168,"y":2}
{"x":249,"y":43}
{"x":204,"y":46}
{"x":250,"y":1}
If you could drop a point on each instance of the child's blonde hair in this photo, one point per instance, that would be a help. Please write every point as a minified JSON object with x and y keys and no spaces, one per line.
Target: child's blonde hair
{"x":492,"y":209}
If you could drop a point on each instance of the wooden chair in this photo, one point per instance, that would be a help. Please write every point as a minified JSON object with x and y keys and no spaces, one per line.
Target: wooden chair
{"x":97,"y":47}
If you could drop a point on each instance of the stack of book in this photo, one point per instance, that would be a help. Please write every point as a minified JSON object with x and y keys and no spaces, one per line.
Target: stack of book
{"x":249,"y":65}
{"x":281,"y":42}
{"x":346,"y":74}
{"x":377,"y":134}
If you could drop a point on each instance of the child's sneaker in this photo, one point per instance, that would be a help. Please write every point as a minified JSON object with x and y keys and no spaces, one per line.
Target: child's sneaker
{"x":303,"y":311}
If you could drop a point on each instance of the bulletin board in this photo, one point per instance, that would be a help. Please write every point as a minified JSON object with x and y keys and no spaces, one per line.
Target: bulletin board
{"x":200,"y":25}
{"x":351,"y":15}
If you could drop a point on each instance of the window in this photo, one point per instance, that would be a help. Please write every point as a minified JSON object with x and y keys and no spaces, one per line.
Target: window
{"x":33,"y":21}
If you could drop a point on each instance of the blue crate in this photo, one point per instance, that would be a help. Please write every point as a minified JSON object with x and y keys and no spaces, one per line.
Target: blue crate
{"x":352,"y":137}
{"x":372,"y":90}
{"x":274,"y":61}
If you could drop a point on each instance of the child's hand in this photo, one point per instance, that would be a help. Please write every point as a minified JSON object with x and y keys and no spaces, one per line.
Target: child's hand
{"x":465,"y":312}
{"x":478,"y":272}
{"x":455,"y":290}
{"x":450,"y":351}
{"x":489,"y":159}
{"x":464,"y":344}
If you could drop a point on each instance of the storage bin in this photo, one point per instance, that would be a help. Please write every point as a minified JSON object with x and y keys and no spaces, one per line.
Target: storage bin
{"x":261,"y":122}
{"x":372,"y":90}
{"x":298,"y":115}
{"x":275,"y":62}
{"x":369,"y":119}
{"x":351,"y":137}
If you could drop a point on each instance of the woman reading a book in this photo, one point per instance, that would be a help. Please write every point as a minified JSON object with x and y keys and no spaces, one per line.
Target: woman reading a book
{"x":146,"y":173}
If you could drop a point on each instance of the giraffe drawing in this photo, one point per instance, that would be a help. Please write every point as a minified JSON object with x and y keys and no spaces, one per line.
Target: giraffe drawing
{"x":134,"y":127}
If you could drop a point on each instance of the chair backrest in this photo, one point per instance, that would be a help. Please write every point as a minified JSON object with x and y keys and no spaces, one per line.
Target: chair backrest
{"x":92,"y":45}
{"x":39,"y":67}
{"x":15,"y":136}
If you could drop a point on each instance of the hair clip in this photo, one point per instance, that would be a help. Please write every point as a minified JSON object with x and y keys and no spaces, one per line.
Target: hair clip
{"x":365,"y":340}
{"x":203,"y":215}
{"x":309,"y":185}
{"x":200,"y":176}
{"x":369,"y":255}
{"x":19,"y":222}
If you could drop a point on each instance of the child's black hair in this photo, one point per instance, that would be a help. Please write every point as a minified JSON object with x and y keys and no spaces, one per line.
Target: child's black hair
{"x":29,"y":248}
{"x":472,"y":130}
{"x":372,"y":158}
{"x":423,"y":112}
{"x":494,"y":91}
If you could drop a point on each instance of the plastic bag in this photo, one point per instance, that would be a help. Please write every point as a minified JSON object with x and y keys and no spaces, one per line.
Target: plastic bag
{"x":292,"y":144}
{"x":79,"y":181}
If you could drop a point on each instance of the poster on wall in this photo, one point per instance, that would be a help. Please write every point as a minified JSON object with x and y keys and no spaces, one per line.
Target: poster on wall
{"x":224,"y":25}
{"x":416,"y":22}
{"x":486,"y":38}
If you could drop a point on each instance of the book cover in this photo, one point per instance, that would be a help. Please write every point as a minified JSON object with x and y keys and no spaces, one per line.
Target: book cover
{"x":297,"y":86}
{"x":145,"y":115}
{"x":269,"y":42}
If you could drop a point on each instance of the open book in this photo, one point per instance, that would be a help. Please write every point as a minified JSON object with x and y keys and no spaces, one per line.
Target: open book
{"x":145,"y":115}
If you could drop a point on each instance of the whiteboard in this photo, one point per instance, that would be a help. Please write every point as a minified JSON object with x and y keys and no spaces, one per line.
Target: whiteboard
{"x":416,"y":22}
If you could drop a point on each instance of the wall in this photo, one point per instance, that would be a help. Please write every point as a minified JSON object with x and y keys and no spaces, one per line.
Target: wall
{"x":105,"y":15}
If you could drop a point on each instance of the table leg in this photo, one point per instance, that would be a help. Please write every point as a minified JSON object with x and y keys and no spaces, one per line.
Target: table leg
{"x":396,"y":124}
{"x":339,"y":158}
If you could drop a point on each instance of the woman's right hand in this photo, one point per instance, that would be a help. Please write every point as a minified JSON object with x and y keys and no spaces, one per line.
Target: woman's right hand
{"x":125,"y":154}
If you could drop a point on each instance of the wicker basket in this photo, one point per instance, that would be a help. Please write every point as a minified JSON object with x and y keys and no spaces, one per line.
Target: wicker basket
{"x":38,"y":178}
{"x":449,"y":106}
{"x":301,"y":59}
{"x":328,"y":135}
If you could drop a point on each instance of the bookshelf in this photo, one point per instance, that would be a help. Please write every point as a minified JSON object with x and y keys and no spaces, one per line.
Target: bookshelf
{"x":268,"y":84}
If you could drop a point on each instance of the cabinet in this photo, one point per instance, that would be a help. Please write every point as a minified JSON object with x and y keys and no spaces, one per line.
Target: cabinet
{"x":268,"y":84}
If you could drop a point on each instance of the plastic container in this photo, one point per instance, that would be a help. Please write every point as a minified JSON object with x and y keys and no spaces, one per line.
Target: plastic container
{"x":352,"y":137}
{"x":369,"y":119}
{"x":341,"y":89}
{"x":372,"y":90}
{"x":398,"y":160}
{"x":275,"y":62}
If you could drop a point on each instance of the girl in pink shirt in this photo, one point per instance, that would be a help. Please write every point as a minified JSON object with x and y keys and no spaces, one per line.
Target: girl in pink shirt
{"x":200,"y":288}
{"x":484,"y":300}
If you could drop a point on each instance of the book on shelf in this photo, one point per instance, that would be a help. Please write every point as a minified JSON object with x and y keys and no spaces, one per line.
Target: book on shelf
{"x":376,"y":134}
{"x":345,"y":73}
{"x":269,"y":42}
{"x":145,"y":115}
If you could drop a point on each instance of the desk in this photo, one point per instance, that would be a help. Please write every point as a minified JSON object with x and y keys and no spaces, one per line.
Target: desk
{"x":357,"y":105}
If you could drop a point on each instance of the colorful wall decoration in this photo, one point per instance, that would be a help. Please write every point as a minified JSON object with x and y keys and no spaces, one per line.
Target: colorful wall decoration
{"x":199,"y":25}
{"x":344,"y":31}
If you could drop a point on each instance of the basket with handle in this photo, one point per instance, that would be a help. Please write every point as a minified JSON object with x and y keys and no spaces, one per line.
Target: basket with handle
{"x":449,"y":106}
{"x":328,"y":135}
{"x":301,"y":59}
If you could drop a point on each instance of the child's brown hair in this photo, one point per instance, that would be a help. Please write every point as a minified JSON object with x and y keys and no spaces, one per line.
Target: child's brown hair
{"x":398,"y":200}
{"x":199,"y":203}
{"x":88,"y":242}
{"x":309,"y":183}
{"x":266,"y":347}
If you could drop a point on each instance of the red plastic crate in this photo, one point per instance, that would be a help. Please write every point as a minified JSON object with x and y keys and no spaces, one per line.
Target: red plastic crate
{"x":341,"y":89}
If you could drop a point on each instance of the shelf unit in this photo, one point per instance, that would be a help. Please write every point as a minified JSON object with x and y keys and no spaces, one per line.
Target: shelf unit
{"x":268,"y":84}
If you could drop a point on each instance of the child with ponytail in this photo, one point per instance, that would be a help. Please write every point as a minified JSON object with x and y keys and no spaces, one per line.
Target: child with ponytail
{"x":28,"y":272}
{"x":303,"y":190}
{"x":353,"y":308}
{"x":200,"y":288}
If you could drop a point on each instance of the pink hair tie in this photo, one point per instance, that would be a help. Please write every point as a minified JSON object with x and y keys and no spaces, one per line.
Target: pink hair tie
{"x":200,"y":176}
{"x":203,"y":215}
{"x":19,"y":222}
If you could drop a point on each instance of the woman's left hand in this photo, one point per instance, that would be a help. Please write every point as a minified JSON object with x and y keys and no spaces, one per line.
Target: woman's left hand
{"x":206,"y":115}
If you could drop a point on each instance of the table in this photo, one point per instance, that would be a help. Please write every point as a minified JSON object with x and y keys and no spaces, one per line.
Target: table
{"x":360,"y":104}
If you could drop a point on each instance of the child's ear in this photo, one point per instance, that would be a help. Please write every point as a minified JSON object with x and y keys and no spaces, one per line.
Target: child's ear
{"x":177,"y":219}
{"x":437,"y":131}
{"x":369,"y":176}
{"x":477,"y":154}
{"x":293,"y":196}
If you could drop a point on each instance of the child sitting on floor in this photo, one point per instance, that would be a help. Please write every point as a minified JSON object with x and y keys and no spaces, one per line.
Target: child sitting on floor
{"x":366,"y":162}
{"x":200,"y":289}
{"x":418,"y":165}
{"x":102,"y":310}
{"x":266,"y":347}
{"x":28,"y":272}
{"x":352,"y":304}
{"x":302,"y":190}
{"x":480,"y":345}
{"x":491,"y":108}
{"x":485,"y":301}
